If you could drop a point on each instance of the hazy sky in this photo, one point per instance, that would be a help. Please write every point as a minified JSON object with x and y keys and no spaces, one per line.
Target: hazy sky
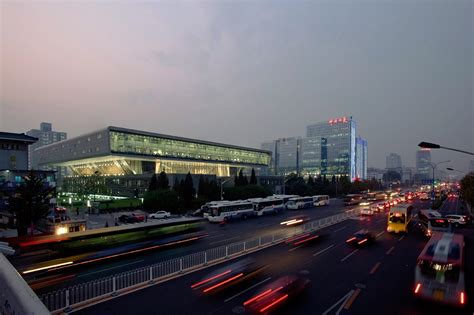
{"x":244,"y":72}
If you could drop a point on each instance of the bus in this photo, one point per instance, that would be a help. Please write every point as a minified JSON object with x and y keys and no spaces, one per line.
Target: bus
{"x":285,"y":198}
{"x":399,"y":218}
{"x":353,"y":199}
{"x":321,"y":200}
{"x":240,"y":209}
{"x":439,"y":272}
{"x":268,"y":205}
{"x":300,"y":203}
{"x":432,"y":221}
{"x":205,"y":208}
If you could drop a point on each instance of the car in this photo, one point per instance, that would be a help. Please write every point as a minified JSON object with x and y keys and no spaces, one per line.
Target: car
{"x":228,"y":276}
{"x":361,"y":238}
{"x":303,"y":239}
{"x":456,"y":219}
{"x":381,"y":206}
{"x":387,"y":205}
{"x":296,"y":220}
{"x":131,"y":218}
{"x":366,"y":211}
{"x":276,"y":294}
{"x":159,"y":215}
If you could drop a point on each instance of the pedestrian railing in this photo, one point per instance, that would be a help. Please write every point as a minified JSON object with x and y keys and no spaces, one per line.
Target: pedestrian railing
{"x":65,"y":299}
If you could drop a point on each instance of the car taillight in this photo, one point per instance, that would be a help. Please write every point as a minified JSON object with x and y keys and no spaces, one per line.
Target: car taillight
{"x":461,"y":298}
{"x":417,"y":288}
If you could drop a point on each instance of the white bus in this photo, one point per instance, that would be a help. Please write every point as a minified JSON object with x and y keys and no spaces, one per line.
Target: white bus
{"x":231,"y":210}
{"x":321,"y":200}
{"x":205,"y":208}
{"x":284,"y":197}
{"x":300,"y":203}
{"x":268,"y":205}
{"x":439,"y":273}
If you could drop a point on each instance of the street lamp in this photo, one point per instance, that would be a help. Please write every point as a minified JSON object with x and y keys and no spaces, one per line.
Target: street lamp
{"x":429,"y":145}
{"x":452,"y":169}
{"x":433,"y":166}
{"x":222,"y":186}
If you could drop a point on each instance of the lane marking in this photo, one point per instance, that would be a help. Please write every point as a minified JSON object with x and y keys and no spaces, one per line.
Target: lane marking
{"x":390,"y":250}
{"x":339,"y":229}
{"x":242,"y":292}
{"x":341,"y":301}
{"x":379,"y":234}
{"x":322,"y":251}
{"x":227,"y":239}
{"x":102,"y":270}
{"x":353,"y":252}
{"x":374,"y":269}
{"x":351,"y":299}
{"x":402,"y":237}
{"x":294,"y":248}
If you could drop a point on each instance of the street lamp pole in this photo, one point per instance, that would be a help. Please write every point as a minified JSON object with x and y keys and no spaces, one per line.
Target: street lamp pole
{"x":222,"y":186}
{"x":429,"y":145}
{"x":433,"y":166}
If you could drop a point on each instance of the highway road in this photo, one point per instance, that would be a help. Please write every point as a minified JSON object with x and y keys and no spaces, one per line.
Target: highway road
{"x":217,"y":236}
{"x":377,"y":279}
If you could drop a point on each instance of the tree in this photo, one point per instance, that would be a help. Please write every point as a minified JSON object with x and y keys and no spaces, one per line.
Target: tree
{"x":253,"y":178}
{"x":246,"y":192}
{"x":202,"y":187}
{"x":162,"y":182}
{"x":187,"y":192}
{"x":310,"y":181}
{"x":153,"y":183}
{"x":164,"y":199}
{"x":31,"y":201}
{"x":241,"y":180}
{"x":391,"y":176}
{"x":467,"y":188}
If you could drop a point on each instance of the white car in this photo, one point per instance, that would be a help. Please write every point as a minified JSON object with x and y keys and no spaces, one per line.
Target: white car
{"x":456,"y":219}
{"x":366,"y":211}
{"x":159,"y":215}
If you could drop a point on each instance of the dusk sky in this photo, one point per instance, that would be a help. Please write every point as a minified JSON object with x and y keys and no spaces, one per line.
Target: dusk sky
{"x":244,"y":72}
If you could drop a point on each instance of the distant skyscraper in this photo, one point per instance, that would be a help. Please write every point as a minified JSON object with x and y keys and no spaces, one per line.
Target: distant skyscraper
{"x":393,"y":162}
{"x":471,"y":166}
{"x":45,"y":136}
{"x":423,"y":159}
{"x":330,"y":148}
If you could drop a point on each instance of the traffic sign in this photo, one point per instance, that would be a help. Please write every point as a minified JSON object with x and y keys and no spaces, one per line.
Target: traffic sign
{"x":427,"y":181}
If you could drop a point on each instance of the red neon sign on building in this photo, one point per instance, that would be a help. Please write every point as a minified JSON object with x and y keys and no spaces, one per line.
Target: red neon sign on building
{"x":338,"y":120}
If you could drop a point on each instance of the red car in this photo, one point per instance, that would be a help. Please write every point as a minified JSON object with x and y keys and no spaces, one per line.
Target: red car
{"x":275,"y":294}
{"x":132,"y":218}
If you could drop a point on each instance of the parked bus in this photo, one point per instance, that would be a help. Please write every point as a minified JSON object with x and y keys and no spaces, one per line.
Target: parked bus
{"x":300,"y":203}
{"x":399,"y":217}
{"x":351,"y":200}
{"x":267,"y":205}
{"x":439,"y":273}
{"x":321,"y":200}
{"x":240,"y":209}
{"x":285,"y":198}
{"x":205,"y":208}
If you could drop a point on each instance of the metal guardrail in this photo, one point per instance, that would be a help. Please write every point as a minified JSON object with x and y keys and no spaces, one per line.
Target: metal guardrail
{"x":84,"y":293}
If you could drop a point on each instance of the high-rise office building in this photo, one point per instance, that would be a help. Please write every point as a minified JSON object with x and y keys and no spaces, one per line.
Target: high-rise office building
{"x":361,"y":158}
{"x":337,"y":139}
{"x":329,"y":148}
{"x":45,"y":136}
{"x":423,"y":160}
{"x":393,"y":162}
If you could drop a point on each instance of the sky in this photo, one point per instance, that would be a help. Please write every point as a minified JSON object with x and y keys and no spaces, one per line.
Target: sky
{"x":244,"y":72}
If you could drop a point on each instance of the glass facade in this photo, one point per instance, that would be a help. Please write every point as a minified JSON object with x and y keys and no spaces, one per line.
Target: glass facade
{"x":329,"y":149}
{"x":155,"y":146}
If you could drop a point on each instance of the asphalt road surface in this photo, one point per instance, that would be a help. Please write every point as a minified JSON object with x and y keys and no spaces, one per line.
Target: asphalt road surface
{"x":377,"y":279}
